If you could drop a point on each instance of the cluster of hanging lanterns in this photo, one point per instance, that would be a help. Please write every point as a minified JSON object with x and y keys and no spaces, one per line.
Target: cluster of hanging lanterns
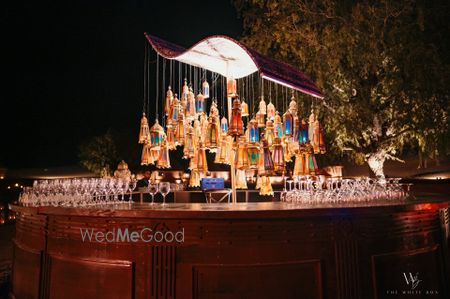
{"x":267,"y":143}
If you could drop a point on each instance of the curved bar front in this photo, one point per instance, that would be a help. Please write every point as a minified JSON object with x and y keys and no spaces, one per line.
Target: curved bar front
{"x":245,"y":250}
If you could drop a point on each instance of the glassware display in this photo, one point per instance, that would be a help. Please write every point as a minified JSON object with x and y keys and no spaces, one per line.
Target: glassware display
{"x":164,"y":189}
{"x":153,"y":189}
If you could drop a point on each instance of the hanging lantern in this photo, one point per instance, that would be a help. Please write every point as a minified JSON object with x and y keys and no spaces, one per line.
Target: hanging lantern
{"x":310,"y":160}
{"x":278,"y":125}
{"x":297,"y":130}
{"x":224,"y":125}
{"x":203,"y":127}
{"x":293,"y":106}
{"x":156,"y":135}
{"x":322,"y":148}
{"x":266,"y":186}
{"x":146,"y":157}
{"x":269,"y":132}
{"x":278,"y":156}
{"x":290,"y":147}
{"x":185,"y":91}
{"x":267,"y":166}
{"x":190,"y":106}
{"x":311,"y":120}
{"x":260,"y":119}
{"x":241,"y":180}
{"x":262,"y":106}
{"x":202,"y":164}
{"x":170,"y":137}
{"x":244,"y":109}
{"x":270,"y":111}
{"x":317,"y":137}
{"x":200,"y":103}
{"x":299,"y":166}
{"x":253,"y":155}
{"x":231,"y":87}
{"x":174,"y":111}
{"x":144,"y":131}
{"x":223,"y":156}
{"x":241,"y":154}
{"x":288,"y":124}
{"x":236,"y":127}
{"x":212,"y":134}
{"x":194,"y":179}
{"x":253,"y":131}
{"x":163,"y":159}
{"x":193,"y":161}
{"x":214,"y":111}
{"x":205,"y":89}
{"x":303,"y":132}
{"x":180,"y":130}
{"x":190,"y":144}
{"x":169,"y":101}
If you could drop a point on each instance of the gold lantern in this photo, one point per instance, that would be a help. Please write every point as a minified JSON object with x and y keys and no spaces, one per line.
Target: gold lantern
{"x":269,"y":132}
{"x":278,"y":156}
{"x":190,"y":144}
{"x":174,"y":111}
{"x":253,"y":131}
{"x":190,"y":106}
{"x":288,"y":124}
{"x":265,"y":166}
{"x":144,"y":131}
{"x":194,"y":179}
{"x":171,"y":137}
{"x":205,"y":89}
{"x":244,"y":109}
{"x":293,"y":106}
{"x":212,"y":134}
{"x":297,"y":127}
{"x":260,"y":118}
{"x":193,"y":161}
{"x":223,"y":155}
{"x":262,"y":106}
{"x":169,"y":100}
{"x":202,"y":164}
{"x":253,"y":155}
{"x":236,"y":127}
{"x":156,"y":135}
{"x":200,"y":104}
{"x":231,"y":87}
{"x":299,"y":165}
{"x":241,"y":154}
{"x":270,"y":111}
{"x":266,"y":186}
{"x":241,"y":180}
{"x":180,"y":130}
{"x":163,"y":159}
{"x":203,"y":127}
{"x":146,"y":157}
{"x":277,"y":125}
{"x":185,"y":92}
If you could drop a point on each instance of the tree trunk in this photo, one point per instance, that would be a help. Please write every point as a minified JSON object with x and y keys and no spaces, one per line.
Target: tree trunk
{"x":376,"y":163}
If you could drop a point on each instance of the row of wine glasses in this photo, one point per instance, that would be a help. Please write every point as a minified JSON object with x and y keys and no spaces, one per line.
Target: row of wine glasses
{"x":163,"y":188}
{"x":317,"y":190}
{"x":78,"y":192}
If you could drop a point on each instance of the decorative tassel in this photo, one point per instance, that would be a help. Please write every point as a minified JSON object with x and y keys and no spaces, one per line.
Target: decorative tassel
{"x":144,"y":132}
{"x":241,"y":180}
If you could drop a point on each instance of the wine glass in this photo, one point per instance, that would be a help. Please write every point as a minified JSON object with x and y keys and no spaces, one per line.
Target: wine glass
{"x":164,"y":189}
{"x":131,"y":186}
{"x":153,"y":189}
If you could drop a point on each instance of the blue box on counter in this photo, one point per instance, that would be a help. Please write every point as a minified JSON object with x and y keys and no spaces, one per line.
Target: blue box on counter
{"x":212,"y":183}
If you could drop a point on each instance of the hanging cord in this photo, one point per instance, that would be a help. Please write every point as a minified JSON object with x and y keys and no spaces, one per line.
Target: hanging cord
{"x":148,"y":82}
{"x":179,"y":79}
{"x":276,"y":96}
{"x":145,"y":78}
{"x":163,"y":116}
{"x":157,"y":86}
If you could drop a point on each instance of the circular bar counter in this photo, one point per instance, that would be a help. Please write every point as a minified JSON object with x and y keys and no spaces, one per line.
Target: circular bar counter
{"x":244,"y":250}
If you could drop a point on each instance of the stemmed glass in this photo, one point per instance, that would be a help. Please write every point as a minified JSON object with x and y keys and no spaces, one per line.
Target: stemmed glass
{"x":131,"y":186}
{"x":164,"y":189}
{"x":153,"y":189}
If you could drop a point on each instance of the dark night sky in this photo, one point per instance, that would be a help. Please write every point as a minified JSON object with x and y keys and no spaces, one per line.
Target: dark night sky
{"x":75,"y":68}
